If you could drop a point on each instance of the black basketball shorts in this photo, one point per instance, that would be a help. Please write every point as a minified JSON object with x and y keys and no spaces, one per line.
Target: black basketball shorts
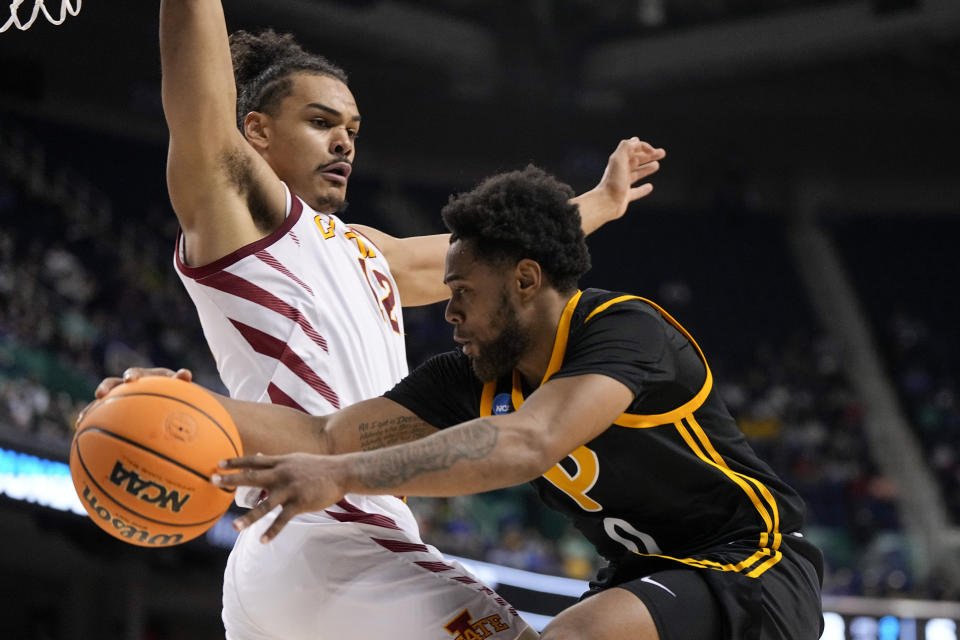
{"x":689,"y":603}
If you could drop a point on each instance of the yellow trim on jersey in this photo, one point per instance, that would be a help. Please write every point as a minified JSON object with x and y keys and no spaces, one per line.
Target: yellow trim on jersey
{"x":638,"y":421}
{"x":563,"y":334}
{"x":609,"y":303}
{"x":756,"y":573}
{"x":676,"y":417}
{"x":773,"y":554}
{"x":773,"y":529}
{"x":735,"y":477}
{"x":744,"y":482}
{"x":516,"y":390}
{"x":770,"y":539}
{"x":701,"y":563}
{"x":486,"y":399}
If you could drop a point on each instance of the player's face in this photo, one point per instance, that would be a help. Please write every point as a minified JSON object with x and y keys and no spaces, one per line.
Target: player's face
{"x":313,"y":138}
{"x":483,"y":314}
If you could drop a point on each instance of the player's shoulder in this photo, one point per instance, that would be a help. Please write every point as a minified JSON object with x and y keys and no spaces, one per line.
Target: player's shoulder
{"x":605,"y":316}
{"x":451,"y":360}
{"x":449,"y":367}
{"x":601,"y":303}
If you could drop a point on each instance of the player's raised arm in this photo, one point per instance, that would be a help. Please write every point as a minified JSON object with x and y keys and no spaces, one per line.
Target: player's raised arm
{"x":632,"y":161}
{"x":215,"y":178}
{"x":417,"y":263}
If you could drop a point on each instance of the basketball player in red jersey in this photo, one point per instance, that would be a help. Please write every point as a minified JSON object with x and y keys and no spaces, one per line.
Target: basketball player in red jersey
{"x":303,"y":310}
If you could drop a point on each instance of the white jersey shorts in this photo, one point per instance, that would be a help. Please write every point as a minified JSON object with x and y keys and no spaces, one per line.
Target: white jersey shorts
{"x":362,"y":578}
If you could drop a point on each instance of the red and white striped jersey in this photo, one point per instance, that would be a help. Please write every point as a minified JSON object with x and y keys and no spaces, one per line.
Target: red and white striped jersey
{"x":307,"y":317}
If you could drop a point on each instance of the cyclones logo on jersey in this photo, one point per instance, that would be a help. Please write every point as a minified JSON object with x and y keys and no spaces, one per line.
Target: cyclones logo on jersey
{"x":464,"y":628}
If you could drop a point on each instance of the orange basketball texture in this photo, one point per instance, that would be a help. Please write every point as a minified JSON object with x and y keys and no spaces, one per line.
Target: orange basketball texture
{"x":142,"y":457}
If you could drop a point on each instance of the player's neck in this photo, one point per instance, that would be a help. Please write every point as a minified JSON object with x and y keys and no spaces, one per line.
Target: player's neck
{"x":546,"y":317}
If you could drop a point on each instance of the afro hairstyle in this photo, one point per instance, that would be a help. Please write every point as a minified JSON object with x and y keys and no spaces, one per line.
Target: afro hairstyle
{"x":522,"y":214}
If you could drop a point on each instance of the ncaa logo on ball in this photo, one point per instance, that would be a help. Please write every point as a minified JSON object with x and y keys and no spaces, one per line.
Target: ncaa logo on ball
{"x":147,"y":490}
{"x":181,"y":426}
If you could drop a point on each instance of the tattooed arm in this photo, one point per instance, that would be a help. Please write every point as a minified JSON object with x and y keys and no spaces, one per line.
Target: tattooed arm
{"x":274,"y":430}
{"x":478,"y":455}
{"x":376,"y":433}
{"x":371,"y":424}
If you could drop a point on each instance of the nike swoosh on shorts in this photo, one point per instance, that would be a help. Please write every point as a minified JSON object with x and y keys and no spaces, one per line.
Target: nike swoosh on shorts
{"x":654,"y":582}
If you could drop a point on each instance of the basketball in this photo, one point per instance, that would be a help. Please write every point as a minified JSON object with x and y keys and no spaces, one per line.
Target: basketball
{"x":142,"y":457}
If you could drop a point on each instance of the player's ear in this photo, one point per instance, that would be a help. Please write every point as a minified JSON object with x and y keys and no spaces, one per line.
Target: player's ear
{"x":529,"y":277}
{"x":256,"y":130}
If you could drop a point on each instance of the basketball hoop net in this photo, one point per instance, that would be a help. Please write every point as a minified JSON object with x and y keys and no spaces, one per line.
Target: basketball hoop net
{"x":66,"y":7}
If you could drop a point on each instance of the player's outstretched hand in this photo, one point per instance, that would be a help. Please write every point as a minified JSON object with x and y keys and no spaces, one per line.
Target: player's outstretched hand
{"x":133,"y":373}
{"x":632,"y":161}
{"x":298,"y":482}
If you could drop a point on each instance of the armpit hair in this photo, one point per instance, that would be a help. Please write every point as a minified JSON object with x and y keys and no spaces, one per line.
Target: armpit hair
{"x":238,"y":168}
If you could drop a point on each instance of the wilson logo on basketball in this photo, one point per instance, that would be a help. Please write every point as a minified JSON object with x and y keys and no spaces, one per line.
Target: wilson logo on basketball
{"x":125,"y":530}
{"x":464,"y":628}
{"x":147,"y":490}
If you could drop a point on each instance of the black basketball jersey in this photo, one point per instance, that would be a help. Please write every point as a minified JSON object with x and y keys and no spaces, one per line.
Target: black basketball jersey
{"x":673,"y":477}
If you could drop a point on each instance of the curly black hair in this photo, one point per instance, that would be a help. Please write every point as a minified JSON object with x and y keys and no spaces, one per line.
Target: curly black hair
{"x":263,"y":64}
{"x":523,"y":214}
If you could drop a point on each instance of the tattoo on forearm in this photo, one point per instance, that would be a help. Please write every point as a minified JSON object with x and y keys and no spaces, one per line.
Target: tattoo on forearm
{"x":472,"y":441}
{"x":395,"y":430}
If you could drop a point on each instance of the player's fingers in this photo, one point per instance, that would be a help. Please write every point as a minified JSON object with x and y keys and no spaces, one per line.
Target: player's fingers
{"x":635,"y":144}
{"x":258,"y":461}
{"x":282,"y":519}
{"x":135,"y":373}
{"x":132,"y":374}
{"x":247,"y":478}
{"x":184,"y":374}
{"x":262,"y":508}
{"x":641,"y":146}
{"x":624,"y":148}
{"x":105,"y":386}
{"x":640,"y":192}
{"x":645,"y":148}
{"x":639,"y":158}
{"x":264,"y":478}
{"x":83,"y":411}
{"x":645,"y":171}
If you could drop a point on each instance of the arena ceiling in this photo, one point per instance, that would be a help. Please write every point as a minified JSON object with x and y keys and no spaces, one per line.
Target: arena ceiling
{"x":782,"y":86}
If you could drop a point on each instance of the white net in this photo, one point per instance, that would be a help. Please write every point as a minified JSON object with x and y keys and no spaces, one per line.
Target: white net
{"x":66,"y":8}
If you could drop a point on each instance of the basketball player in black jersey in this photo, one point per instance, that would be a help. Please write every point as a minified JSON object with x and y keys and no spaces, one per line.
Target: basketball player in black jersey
{"x":600,"y":399}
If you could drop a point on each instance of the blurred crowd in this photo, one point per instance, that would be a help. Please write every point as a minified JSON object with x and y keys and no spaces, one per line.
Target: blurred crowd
{"x":926,"y":379}
{"x":86,"y":292}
